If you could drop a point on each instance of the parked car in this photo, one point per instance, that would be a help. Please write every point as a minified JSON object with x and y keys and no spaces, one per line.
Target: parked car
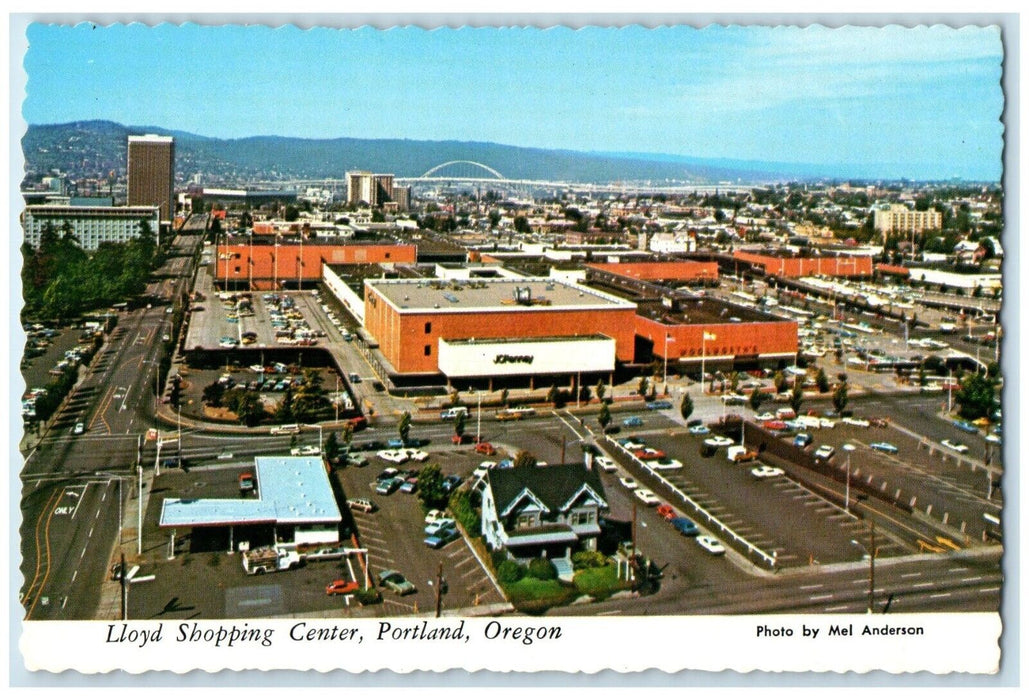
{"x":485,"y":448}
{"x":661,"y":405}
{"x":886,"y":447}
{"x":664,"y":464}
{"x":648,"y":453}
{"x":434,"y":515}
{"x":395,"y":581}
{"x":802,"y":440}
{"x":628,"y":482}
{"x":605,"y":463}
{"x":859,"y":422}
{"x":766,"y":472}
{"x":718,"y":441}
{"x":766,"y":416}
{"x":395,"y":456}
{"x":710,"y":544}
{"x":361,"y":504}
{"x":685,"y":526}
{"x":632,"y":422}
{"x":825,"y":451}
{"x":78,"y":429}
{"x":632,"y":443}
{"x":437,"y":526}
{"x":441,"y":538}
{"x":648,"y":497}
{"x":775,"y":425}
{"x":965,"y":426}
{"x":956,"y":446}
{"x":451,"y":482}
{"x":666,"y":511}
{"x":341,"y":587}
{"x":699,"y":430}
{"x":388,"y":486}
{"x":410,"y":485}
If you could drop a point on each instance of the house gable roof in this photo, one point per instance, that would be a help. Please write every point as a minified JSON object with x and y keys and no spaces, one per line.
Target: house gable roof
{"x":554,"y":486}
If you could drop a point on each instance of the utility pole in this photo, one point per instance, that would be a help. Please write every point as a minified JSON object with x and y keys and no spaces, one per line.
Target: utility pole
{"x":439,"y":589}
{"x":124,"y":590}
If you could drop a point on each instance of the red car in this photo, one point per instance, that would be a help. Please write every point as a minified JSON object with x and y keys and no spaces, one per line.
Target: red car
{"x":666,"y":511}
{"x":485,"y":448}
{"x":649,"y":453}
{"x":774,"y":425}
{"x":358,"y":423}
{"x":341,"y":587}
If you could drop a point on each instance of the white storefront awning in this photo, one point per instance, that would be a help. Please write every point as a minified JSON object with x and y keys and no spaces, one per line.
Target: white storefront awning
{"x":523,"y":357}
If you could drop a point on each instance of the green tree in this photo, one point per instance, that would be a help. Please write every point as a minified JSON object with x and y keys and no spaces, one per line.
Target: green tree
{"x":604,"y":417}
{"x":332,"y":448}
{"x":779,"y":381}
{"x":284,"y":411}
{"x":503,"y":397}
{"x":430,"y":486}
{"x":686,"y":406}
{"x":797,"y":396}
{"x":641,"y":389}
{"x":404,"y":426}
{"x":976,"y":397}
{"x":756,"y":397}
{"x":839,"y":397}
{"x":553,"y":395}
{"x":249,"y":409}
{"x":734,"y":381}
{"x":822,"y":381}
{"x":459,"y":421}
{"x":601,"y":390}
{"x":213,"y":394}
{"x":521,"y":224}
{"x":524,"y":458}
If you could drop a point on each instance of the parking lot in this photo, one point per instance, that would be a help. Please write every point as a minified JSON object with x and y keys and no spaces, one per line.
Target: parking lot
{"x":393,"y":535}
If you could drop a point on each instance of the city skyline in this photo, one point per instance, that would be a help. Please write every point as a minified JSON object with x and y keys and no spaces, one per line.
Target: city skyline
{"x":929,"y":98}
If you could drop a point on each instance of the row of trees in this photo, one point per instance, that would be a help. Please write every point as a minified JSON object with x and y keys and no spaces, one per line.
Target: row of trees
{"x":61,"y":280}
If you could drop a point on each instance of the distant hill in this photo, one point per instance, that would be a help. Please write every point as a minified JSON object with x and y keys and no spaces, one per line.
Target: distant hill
{"x":97,"y":148}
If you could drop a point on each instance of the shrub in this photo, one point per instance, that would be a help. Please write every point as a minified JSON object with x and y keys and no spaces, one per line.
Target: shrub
{"x":542,"y":569}
{"x":498,"y":557}
{"x":368,"y":596}
{"x":588,"y":560}
{"x":461,"y":506}
{"x":510,"y":571}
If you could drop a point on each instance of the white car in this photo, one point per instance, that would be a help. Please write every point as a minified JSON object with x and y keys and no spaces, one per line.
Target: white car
{"x":487,"y":465}
{"x":628,"y":482}
{"x":416,"y":455}
{"x":718,"y":441}
{"x":648,"y":497}
{"x":956,"y":446}
{"x":766,"y":472}
{"x":605,"y":463}
{"x":826,"y":423}
{"x":664,"y":464}
{"x":859,"y":422}
{"x":765,"y":416}
{"x":78,"y":429}
{"x":631,"y":444}
{"x":434,"y":515}
{"x":825,"y":452}
{"x":995,"y":439}
{"x":710,"y":544}
{"x":395,"y":456}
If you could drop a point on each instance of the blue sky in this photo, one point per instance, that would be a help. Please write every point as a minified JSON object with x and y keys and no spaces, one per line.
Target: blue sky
{"x":928,"y":98}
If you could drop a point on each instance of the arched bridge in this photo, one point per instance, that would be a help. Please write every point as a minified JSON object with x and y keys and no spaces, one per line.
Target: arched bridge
{"x":463,"y":171}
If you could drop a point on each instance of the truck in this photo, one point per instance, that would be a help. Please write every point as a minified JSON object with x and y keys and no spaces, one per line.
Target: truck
{"x":246,"y":482}
{"x":268,"y":559}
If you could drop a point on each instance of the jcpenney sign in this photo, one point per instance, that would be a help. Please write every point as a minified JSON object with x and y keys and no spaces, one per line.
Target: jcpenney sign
{"x":512,"y":359}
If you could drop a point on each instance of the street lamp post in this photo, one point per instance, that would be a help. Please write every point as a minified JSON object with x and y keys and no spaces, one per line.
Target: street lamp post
{"x":848,"y":448}
{"x":870,"y":552}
